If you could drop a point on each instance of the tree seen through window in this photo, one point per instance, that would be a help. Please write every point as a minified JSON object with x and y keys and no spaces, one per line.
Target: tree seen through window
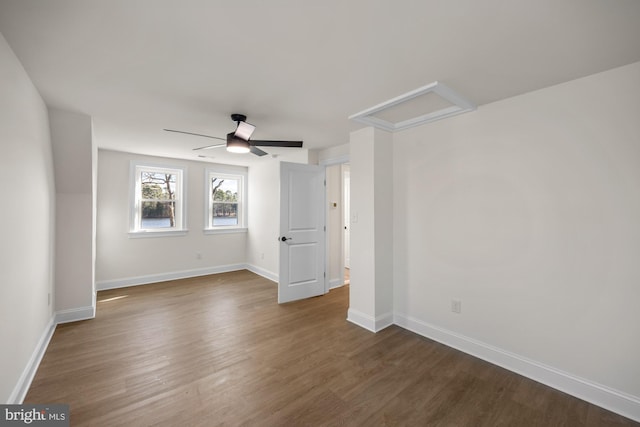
{"x":224,"y":201}
{"x":158,"y":200}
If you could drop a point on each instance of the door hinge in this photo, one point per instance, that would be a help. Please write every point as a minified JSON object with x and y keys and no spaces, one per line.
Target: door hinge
{"x":325,"y":228}
{"x":325,"y":274}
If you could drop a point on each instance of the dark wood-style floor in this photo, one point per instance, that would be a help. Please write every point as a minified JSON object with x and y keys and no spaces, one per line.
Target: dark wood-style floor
{"x":218,"y":350}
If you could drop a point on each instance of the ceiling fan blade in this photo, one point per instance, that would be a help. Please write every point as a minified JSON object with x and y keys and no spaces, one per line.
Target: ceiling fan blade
{"x":258,"y":152}
{"x":206,"y":147}
{"x":196,"y":134}
{"x":265,"y":143}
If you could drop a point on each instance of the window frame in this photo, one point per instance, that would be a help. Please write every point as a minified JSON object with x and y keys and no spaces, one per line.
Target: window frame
{"x":135,"y":203}
{"x":239,"y":174}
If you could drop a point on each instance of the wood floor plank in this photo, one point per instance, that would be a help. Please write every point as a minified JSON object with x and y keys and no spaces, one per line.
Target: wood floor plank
{"x":219,"y":350}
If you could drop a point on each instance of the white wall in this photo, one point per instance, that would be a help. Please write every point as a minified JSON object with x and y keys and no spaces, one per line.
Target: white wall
{"x":28,"y":218}
{"x":122,"y":260}
{"x":528,"y":211}
{"x":362,"y":273}
{"x":72,"y":142}
{"x":383,"y":222}
{"x":371,"y":208}
{"x":333,"y":153}
{"x":263,"y":248}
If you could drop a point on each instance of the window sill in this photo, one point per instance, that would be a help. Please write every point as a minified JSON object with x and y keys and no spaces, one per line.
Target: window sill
{"x":224,"y":230}
{"x":147,"y":233}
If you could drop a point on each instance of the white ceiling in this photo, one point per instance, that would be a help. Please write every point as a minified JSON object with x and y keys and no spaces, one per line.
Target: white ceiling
{"x":296,"y":68}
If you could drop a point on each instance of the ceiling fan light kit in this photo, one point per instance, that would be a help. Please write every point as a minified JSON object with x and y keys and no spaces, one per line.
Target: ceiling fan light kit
{"x":237,"y":145}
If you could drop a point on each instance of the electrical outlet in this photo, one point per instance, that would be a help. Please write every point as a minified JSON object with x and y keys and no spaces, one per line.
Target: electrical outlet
{"x":262,"y":255}
{"x":198,"y":255}
{"x":456,"y":306}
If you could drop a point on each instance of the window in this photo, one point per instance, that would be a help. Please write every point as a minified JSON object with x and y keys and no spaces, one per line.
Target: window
{"x":226,"y":196}
{"x":158,"y":200}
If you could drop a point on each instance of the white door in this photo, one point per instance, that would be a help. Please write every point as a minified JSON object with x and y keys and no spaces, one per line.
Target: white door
{"x":302,"y":236}
{"x":346,"y":183}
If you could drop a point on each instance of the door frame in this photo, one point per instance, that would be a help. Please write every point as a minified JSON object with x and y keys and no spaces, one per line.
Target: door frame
{"x":345,"y":224}
{"x":326,"y":163}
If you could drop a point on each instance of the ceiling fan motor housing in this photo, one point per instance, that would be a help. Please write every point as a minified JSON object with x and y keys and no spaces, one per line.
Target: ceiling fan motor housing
{"x":238,"y":117}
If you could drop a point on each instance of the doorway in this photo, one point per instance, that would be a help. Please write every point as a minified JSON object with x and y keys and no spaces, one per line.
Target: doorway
{"x":346,"y":224}
{"x":338,"y":225}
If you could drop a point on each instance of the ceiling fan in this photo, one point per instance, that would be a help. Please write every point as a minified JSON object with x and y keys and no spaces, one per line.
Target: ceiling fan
{"x":239,"y":141}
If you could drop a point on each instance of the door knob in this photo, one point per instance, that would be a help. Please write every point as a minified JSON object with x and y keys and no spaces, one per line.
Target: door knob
{"x":284,"y":239}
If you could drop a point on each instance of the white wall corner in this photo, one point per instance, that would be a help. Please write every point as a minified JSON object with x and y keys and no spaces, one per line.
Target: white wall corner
{"x":597,"y":394}
{"x":75,"y":314}
{"x":370,"y":323}
{"x":383,"y":321}
{"x":262,"y":272}
{"x":29,"y":372}
{"x":363,"y":320}
{"x":336,"y":283}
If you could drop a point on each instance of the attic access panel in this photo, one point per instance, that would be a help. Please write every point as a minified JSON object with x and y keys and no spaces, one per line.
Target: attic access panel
{"x":435,"y":101}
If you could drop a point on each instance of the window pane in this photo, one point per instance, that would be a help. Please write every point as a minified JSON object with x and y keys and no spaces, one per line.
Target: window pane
{"x":225,"y":214}
{"x":156,"y":203}
{"x":158,"y":186}
{"x":158,"y":215}
{"x":224,"y":189}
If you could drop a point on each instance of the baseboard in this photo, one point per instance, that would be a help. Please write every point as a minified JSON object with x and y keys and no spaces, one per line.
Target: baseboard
{"x":605,"y":397}
{"x":373,"y":324}
{"x":24,"y":382}
{"x":361,"y":319}
{"x":63,"y":316}
{"x":384,"y":321}
{"x":262,"y":272}
{"x":163,"y":277}
{"x":75,"y":314}
{"x":336,"y":283}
